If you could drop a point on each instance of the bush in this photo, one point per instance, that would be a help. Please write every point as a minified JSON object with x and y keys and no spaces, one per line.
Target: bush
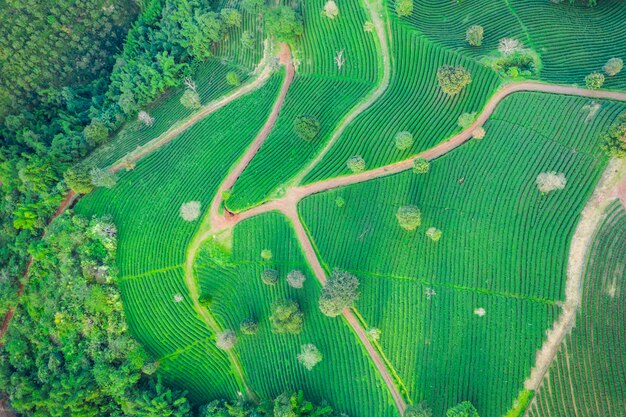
{"x":249,"y":327}
{"x":594,"y":81}
{"x":466,"y":120}
{"x":190,"y":210}
{"x":478,"y":133}
{"x":296,"y":278}
{"x":190,"y":99}
{"x":524,"y":62}
{"x":96,"y":133}
{"x":404,"y":7}
{"x":226,"y":340}
{"x":409,"y":217}
{"x":78,"y":179}
{"x":474,"y":35}
{"x":614,"y":141}
{"x":331,"y":10}
{"x":421,"y":166}
{"x":340,"y":202}
{"x":102,"y":178}
{"x":507,"y":46}
{"x":373,"y":334}
{"x":266,"y":254}
{"x":356,"y":164}
{"x":419,"y":410}
{"x":286,"y":317}
{"x":284,"y":24}
{"x":464,"y":409}
{"x":269,"y":277}
{"x":434,"y":234}
{"x":309,"y":356}
{"x":613,"y":66}
{"x":550,"y":181}
{"x":306,"y":127}
{"x":340,"y":292}
{"x":404,"y":140}
{"x":144,"y":118}
{"x":233,"y":79}
{"x":453,"y":79}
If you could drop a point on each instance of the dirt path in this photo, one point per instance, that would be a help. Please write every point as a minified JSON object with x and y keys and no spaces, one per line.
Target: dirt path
{"x":608,"y":189}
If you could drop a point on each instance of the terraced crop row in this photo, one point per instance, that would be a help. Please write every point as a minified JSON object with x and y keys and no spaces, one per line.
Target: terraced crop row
{"x":167,"y":110}
{"x":232,"y":49}
{"x":571,"y":39}
{"x":588,"y":375}
{"x":145,"y":203}
{"x":504,"y":248}
{"x":345,"y":377}
{"x":413,"y":102}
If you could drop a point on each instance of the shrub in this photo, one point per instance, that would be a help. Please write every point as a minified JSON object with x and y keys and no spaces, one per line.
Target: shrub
{"x":340,"y":202}
{"x":356,"y":164}
{"x":478,"y":133}
{"x":474,"y":35}
{"x":331,"y":10}
{"x":340,"y":292}
{"x":190,"y":99}
{"x":409,"y":217}
{"x":419,"y":410}
{"x":373,"y":334}
{"x":464,"y":409}
{"x":594,"y":81}
{"x":286,"y":317}
{"x":96,"y":133}
{"x":269,"y":277}
{"x":368,"y":27}
{"x":144,"y":118}
{"x":306,"y":127}
{"x":232,"y":79}
{"x":249,"y":326}
{"x":550,"y":181}
{"x":309,"y":356}
{"x":524,"y":62}
{"x":102,"y":178}
{"x":404,"y":140}
{"x":613,"y":66}
{"x":296,"y":278}
{"x":434,"y":234}
{"x":421,"y":166}
{"x":266,"y":254}
{"x":453,"y":79}
{"x":226,"y":340}
{"x":466,"y":120}
{"x":190,"y":210}
{"x":614,"y":141}
{"x":283,"y":23}
{"x":404,"y":7}
{"x":78,"y":179}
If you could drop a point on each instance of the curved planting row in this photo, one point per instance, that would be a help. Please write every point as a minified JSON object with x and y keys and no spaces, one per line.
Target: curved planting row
{"x":587,"y":377}
{"x":413,"y":102}
{"x":345,"y":377}
{"x":210,"y":79}
{"x":475,"y":304}
{"x":146,"y":202}
{"x":324,"y":39}
{"x":244,"y":54}
{"x":284,"y":153}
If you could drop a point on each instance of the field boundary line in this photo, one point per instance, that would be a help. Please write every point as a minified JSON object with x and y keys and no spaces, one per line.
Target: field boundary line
{"x":147,"y":273}
{"x":182,"y":350}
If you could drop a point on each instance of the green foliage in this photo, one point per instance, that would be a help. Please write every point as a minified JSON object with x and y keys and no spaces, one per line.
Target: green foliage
{"x":309,"y":356}
{"x":613,"y":66}
{"x":252,"y":6}
{"x":190,"y":99}
{"x":286,"y":317}
{"x":434,"y":234}
{"x":421,"y":166}
{"x":102,"y":178}
{"x":594,"y":81}
{"x":269,"y":277}
{"x":306,"y":127}
{"x":284,"y":24}
{"x":71,"y":332}
{"x":464,"y":409}
{"x":356,"y":164}
{"x":466,"y":120}
{"x":520,"y":62}
{"x":614,"y":139}
{"x":404,"y":7}
{"x":288,"y":404}
{"x":226,"y":340}
{"x":233,"y":79}
{"x":474,"y":35}
{"x":96,"y":133}
{"x":419,"y":410}
{"x":230,"y":17}
{"x":266,"y":254}
{"x":296,"y":278}
{"x":404,"y":140}
{"x":339,"y":292}
{"x":249,"y":326}
{"x":409,"y":217}
{"x":78,"y":179}
{"x":452,"y":80}
{"x":340,"y":202}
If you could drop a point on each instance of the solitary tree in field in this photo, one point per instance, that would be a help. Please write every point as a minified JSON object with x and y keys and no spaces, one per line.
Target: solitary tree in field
{"x":421,"y":166}
{"x":409,"y":217}
{"x":266,"y":254}
{"x":373,"y":334}
{"x":464,"y":409}
{"x":340,"y":60}
{"x":340,"y":202}
{"x":286,"y":317}
{"x":478,"y":133}
{"x":232,"y":79}
{"x":466,"y":120}
{"x":594,"y":81}
{"x":509,"y":45}
{"x":404,"y":140}
{"x":306,"y":127}
{"x":145,"y":118}
{"x":331,"y":10}
{"x":190,"y":210}
{"x":453,"y":79}
{"x":102,"y":178}
{"x":419,"y":410}
{"x":550,"y":181}
{"x":474,"y":35}
{"x":356,"y":164}
{"x":340,"y":291}
{"x":434,"y":234}
{"x":613,"y":66}
{"x":190,"y":99}
{"x":404,"y":7}
{"x":296,"y":278}
{"x":368,"y":27}
{"x":226,"y":340}
{"x":309,"y":356}
{"x":269,"y":277}
{"x":249,"y":326}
